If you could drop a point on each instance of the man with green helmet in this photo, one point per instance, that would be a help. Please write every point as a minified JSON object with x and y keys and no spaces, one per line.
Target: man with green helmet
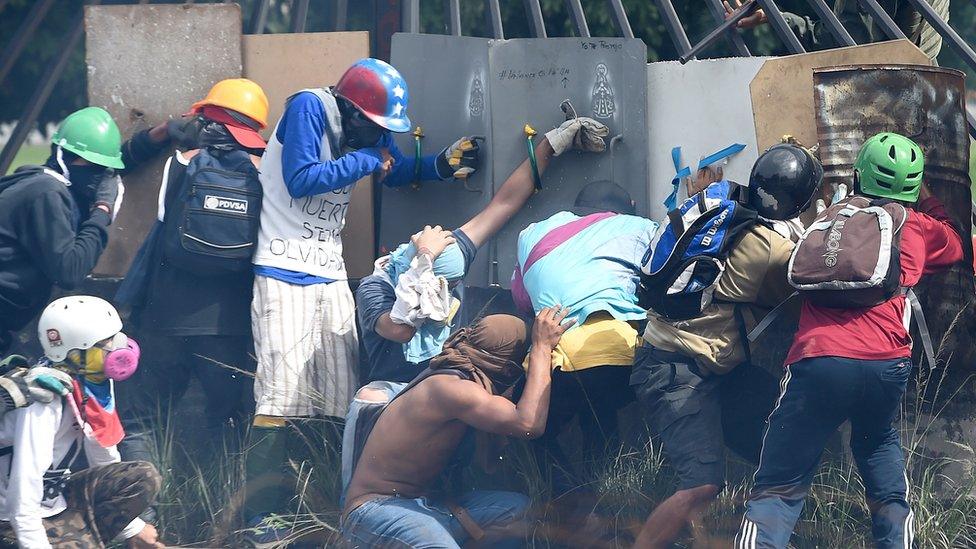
{"x":851,"y":361}
{"x":54,"y":218}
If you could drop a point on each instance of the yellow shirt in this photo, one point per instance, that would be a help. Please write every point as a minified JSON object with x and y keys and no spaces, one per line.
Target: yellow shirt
{"x":600,"y":341}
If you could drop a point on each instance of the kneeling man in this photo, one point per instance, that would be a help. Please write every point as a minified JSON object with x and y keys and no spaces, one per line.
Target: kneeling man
{"x":467,"y":388}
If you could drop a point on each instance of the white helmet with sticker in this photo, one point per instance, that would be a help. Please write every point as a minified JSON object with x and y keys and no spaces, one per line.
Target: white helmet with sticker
{"x":76,"y":322}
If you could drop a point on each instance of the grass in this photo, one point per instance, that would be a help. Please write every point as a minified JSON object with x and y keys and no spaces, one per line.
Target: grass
{"x":29,"y":154}
{"x":202,"y":493}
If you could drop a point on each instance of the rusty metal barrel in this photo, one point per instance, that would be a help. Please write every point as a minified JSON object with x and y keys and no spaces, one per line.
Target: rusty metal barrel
{"x":926,"y":104}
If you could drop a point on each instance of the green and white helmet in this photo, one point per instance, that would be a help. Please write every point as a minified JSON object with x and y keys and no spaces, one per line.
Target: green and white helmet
{"x":890,"y":165}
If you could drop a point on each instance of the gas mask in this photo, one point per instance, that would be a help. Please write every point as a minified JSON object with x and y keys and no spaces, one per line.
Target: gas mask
{"x":358,"y":130}
{"x":117,"y":359}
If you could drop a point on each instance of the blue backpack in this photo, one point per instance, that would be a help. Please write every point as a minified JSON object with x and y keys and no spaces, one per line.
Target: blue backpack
{"x":686,"y":258}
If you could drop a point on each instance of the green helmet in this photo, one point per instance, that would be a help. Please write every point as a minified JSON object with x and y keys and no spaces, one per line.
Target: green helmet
{"x":91,"y":134}
{"x":890,"y":165}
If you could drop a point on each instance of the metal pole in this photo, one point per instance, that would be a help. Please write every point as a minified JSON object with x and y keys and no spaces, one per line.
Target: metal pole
{"x":300,"y":17}
{"x":730,"y":23}
{"x":42,"y":93}
{"x":341,"y":14}
{"x":671,"y":21}
{"x":779,"y":25}
{"x":259,"y":18}
{"x":454,"y":16}
{"x":882,"y":18}
{"x":495,"y":19}
{"x":738,"y":44}
{"x":829,"y":18}
{"x":534,"y":11}
{"x":948,"y":33}
{"x":579,"y":18}
{"x":620,"y":18}
{"x":411,"y":16}
{"x":23,"y":35}
{"x":387,"y":20}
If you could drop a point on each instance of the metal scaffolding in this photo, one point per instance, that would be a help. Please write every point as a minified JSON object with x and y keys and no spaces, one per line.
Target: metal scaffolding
{"x":407,"y":19}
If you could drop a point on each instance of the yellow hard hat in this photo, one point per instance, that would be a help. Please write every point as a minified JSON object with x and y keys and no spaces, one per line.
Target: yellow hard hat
{"x":240,"y":95}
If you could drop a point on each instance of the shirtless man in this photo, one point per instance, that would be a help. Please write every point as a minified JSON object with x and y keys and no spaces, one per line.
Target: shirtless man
{"x":390,"y":502}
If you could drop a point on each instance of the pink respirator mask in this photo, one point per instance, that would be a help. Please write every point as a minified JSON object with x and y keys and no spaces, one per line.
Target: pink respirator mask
{"x":123,"y":360}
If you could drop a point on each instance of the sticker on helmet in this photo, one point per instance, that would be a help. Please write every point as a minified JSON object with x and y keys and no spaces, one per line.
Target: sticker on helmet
{"x":54,"y":338}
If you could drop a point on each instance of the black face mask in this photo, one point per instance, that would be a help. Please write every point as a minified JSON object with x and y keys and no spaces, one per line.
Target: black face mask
{"x":84,"y":183}
{"x":359,"y":131}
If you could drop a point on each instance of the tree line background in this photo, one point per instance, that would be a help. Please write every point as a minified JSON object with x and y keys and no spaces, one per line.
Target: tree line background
{"x":70,"y":93}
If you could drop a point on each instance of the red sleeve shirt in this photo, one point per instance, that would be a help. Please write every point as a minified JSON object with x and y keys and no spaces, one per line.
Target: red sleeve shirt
{"x":929,"y":244}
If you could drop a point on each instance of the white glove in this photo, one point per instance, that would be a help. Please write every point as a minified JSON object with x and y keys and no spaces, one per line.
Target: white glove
{"x":118,"y":199}
{"x":421,"y":295}
{"x":584,"y":134}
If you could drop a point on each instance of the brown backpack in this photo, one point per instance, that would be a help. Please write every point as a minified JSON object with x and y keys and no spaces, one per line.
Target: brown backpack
{"x":849,"y":257}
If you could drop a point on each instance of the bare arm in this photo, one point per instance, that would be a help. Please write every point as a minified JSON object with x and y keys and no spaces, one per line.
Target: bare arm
{"x":401,"y":333}
{"x":527,"y":418}
{"x":509,"y":199}
{"x":431,"y":242}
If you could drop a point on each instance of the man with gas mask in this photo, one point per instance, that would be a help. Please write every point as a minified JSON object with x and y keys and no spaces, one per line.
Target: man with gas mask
{"x":47,"y":499}
{"x":303,"y":314}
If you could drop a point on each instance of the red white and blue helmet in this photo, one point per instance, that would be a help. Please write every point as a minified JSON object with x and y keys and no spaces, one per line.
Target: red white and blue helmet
{"x":378,"y":91}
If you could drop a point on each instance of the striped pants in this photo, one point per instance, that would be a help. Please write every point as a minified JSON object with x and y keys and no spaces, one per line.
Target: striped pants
{"x":307,"y":348}
{"x":817,"y":395}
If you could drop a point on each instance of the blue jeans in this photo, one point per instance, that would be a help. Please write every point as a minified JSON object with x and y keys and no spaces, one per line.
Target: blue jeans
{"x":395,"y":523}
{"x":817,"y":395}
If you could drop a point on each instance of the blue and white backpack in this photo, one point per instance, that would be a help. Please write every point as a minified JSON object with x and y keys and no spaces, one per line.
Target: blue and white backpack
{"x":686,"y":258}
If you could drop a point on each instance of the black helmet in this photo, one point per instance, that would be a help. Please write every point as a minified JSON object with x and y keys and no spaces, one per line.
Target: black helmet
{"x":783,"y":181}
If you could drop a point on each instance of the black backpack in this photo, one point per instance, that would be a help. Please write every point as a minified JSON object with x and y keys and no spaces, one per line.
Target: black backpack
{"x":212,"y":221}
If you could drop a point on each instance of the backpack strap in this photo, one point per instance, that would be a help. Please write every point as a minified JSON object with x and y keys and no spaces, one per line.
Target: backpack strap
{"x":675,"y":219}
{"x":743,"y":335}
{"x":923,"y":327}
{"x":770,"y":317}
{"x":549,"y":242}
{"x":559,"y":235}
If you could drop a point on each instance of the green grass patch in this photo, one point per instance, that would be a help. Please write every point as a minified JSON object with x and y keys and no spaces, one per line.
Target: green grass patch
{"x":29,"y":154}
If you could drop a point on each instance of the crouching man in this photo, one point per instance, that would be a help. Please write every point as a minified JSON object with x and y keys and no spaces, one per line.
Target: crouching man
{"x":46,"y":502}
{"x":467,"y":388}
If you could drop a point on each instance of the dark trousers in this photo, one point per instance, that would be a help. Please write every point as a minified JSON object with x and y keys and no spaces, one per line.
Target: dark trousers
{"x":102,"y":501}
{"x":593,"y":396}
{"x":150,"y":398}
{"x":817,"y":395}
